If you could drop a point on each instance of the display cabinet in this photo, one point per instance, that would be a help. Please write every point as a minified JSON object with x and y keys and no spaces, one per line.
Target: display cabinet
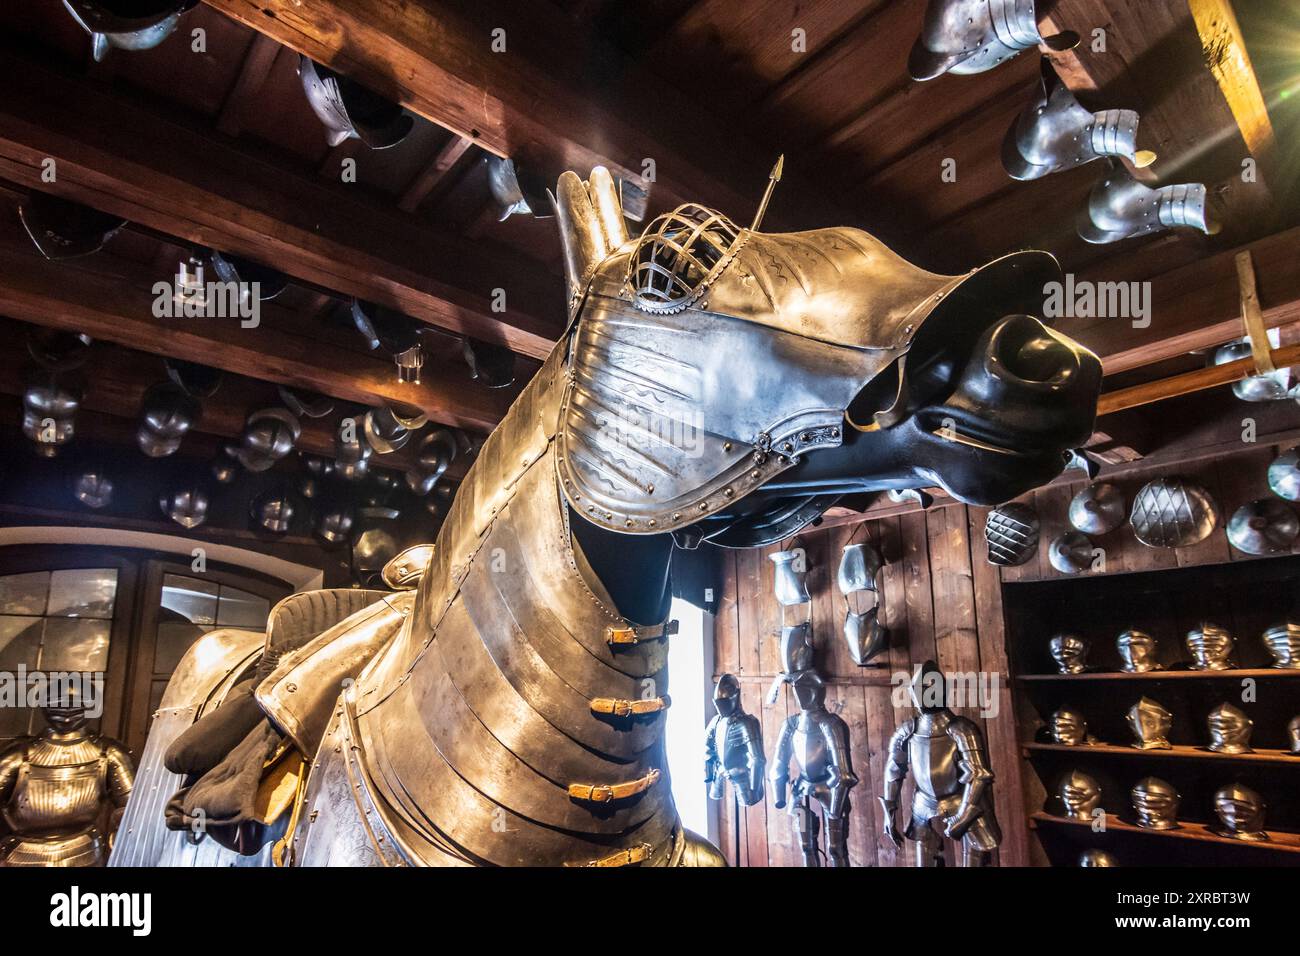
{"x":1246,"y":598}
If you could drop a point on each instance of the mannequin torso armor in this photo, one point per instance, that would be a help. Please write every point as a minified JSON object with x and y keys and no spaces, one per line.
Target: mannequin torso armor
{"x":54,"y":788}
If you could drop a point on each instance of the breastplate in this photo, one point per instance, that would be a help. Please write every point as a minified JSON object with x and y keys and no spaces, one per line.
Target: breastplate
{"x":810,"y":749}
{"x":59,"y":787}
{"x":934,"y":762}
{"x":729,"y":739}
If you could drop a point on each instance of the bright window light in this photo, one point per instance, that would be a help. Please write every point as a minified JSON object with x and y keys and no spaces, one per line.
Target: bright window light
{"x":690,"y":685}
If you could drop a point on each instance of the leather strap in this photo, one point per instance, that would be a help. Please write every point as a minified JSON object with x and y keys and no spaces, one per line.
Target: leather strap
{"x":608,"y":792}
{"x":629,"y":708}
{"x":630,"y":634}
{"x":632,"y":855}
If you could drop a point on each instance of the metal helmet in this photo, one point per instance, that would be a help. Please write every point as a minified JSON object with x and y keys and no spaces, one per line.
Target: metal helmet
{"x":188,"y":506}
{"x":928,"y":688}
{"x":1011,"y":531}
{"x":388,"y":428}
{"x":436,"y":451}
{"x":1156,"y":804}
{"x":1173,"y":513}
{"x":809,"y":690}
{"x":397,"y":335}
{"x":493,"y":365}
{"x":56,"y":350}
{"x":1283,"y":643}
{"x":1150,"y":723}
{"x":1211,"y":647}
{"x":1240,"y":811}
{"x":304,"y":403}
{"x":252,"y":278}
{"x":167,"y":413}
{"x":971,"y":36}
{"x":1070,"y":553}
{"x":1068,"y":726}
{"x":1263,"y":526}
{"x":1098,"y":509}
{"x":268,"y":436}
{"x":1120,"y":207}
{"x":516,"y":190}
{"x":126,"y":24}
{"x":94,"y":489}
{"x":1054,"y":133}
{"x":1270,"y":387}
{"x":334,"y":524}
{"x":1284,"y":475}
{"x":272,"y":511}
{"x":1070,"y":652}
{"x":349,"y":110}
{"x":200,"y":381}
{"x":1137,"y":650}
{"x":1230,"y":729}
{"x":791,"y":585}
{"x":63,"y":229}
{"x":1293,"y":735}
{"x":49,"y":408}
{"x":1080,"y":795}
{"x":726,"y":695}
{"x":374,"y":545}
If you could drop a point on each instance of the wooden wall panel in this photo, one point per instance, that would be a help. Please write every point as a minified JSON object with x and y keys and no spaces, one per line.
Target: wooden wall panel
{"x":942,"y":600}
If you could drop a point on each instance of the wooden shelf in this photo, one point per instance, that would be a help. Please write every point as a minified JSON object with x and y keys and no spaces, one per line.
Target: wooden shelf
{"x":1163,"y":675}
{"x":1278,"y":840}
{"x":1282,"y":758}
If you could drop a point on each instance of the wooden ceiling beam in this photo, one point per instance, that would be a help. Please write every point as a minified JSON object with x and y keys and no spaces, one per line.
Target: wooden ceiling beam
{"x":123,"y":158}
{"x":557,"y":97}
{"x":115,"y":303}
{"x":1194,"y":307}
{"x":428,"y":179}
{"x":256,"y":67}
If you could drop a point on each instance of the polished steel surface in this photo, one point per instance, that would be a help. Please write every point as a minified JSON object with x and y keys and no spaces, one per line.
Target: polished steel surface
{"x":1263,"y":526}
{"x":1121,"y":207}
{"x":1071,"y":553}
{"x":971,"y":36}
{"x":733,"y":747}
{"x":53,"y":789}
{"x":1284,"y":475}
{"x":1283,"y":643}
{"x":859,"y":565}
{"x":1155,"y":804}
{"x":1241,"y":812}
{"x":1150,"y":723}
{"x":1068,"y":726}
{"x":94,"y":489}
{"x":791,"y":586}
{"x":1229,"y":729}
{"x":142,"y":29}
{"x":1080,"y":795}
{"x":1211,"y":648}
{"x":1097,"y":858}
{"x":817,"y":741}
{"x":188,"y":506}
{"x":1070,"y":651}
{"x":946,"y":757}
{"x":1173,"y":513}
{"x":1137,"y":652}
{"x":1011,"y":532}
{"x":864,"y":632}
{"x":1293,"y":735}
{"x":350,"y":111}
{"x":866,"y":636}
{"x":1270,"y":387}
{"x":1098,"y":509}
{"x":1055,"y":132}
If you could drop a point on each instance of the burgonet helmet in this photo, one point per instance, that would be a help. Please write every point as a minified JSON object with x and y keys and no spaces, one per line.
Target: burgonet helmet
{"x":971,"y":36}
{"x":127,"y":24}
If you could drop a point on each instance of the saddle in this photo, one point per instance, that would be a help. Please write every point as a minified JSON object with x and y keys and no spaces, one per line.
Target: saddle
{"x":245,"y":762}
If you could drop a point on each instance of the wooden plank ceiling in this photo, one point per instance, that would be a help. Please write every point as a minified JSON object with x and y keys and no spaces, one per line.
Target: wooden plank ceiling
{"x":219,"y":147}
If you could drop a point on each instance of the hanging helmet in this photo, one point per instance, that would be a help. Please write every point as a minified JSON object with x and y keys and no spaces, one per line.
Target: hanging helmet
{"x":350,"y":110}
{"x":63,"y":229}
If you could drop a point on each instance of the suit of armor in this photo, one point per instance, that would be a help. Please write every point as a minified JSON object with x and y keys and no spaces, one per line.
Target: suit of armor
{"x":819,"y":742}
{"x":53,"y":788}
{"x":733,"y":749}
{"x":945,"y":754}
